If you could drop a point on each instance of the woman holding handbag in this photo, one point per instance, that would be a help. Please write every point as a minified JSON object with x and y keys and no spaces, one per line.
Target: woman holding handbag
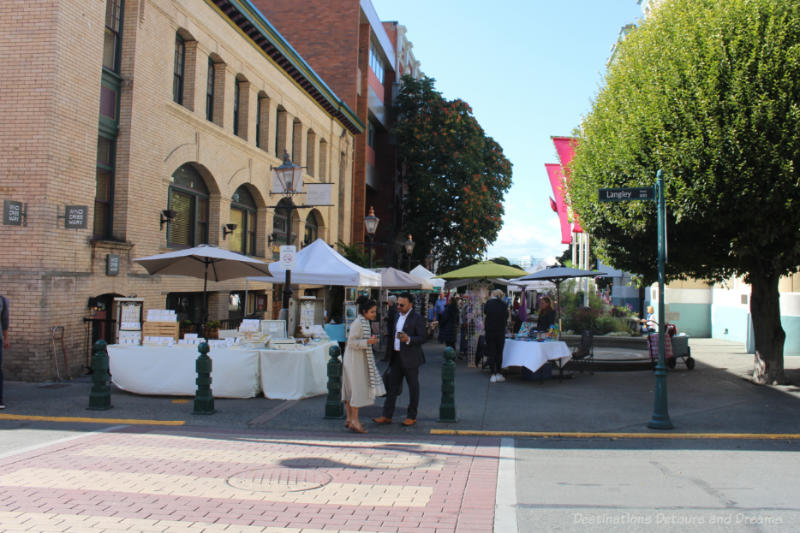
{"x":361,"y":383}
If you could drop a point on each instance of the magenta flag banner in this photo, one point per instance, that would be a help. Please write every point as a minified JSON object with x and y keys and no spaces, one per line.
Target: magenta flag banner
{"x":557,"y":183}
{"x":565,"y":147}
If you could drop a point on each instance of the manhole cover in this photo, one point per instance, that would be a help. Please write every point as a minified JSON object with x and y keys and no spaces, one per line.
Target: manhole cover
{"x":279,"y":480}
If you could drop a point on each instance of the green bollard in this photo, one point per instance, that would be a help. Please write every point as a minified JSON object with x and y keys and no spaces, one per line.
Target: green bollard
{"x":203,"y":398}
{"x":447,"y":409}
{"x":334,"y":408}
{"x":100,"y":397}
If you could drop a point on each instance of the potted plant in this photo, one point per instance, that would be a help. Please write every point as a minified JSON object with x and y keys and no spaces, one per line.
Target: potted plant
{"x":212,"y":329}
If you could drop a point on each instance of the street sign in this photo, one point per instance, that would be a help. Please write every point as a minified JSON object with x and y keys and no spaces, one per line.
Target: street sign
{"x":626,"y":194}
{"x":288,"y":255}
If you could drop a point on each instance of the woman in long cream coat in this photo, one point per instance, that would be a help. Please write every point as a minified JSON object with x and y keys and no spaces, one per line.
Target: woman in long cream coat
{"x":361,"y":383}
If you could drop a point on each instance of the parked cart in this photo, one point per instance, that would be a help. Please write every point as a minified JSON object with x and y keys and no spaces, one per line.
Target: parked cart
{"x":675,"y":347}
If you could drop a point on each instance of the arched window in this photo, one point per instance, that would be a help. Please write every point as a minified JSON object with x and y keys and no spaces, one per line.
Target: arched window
{"x":178,"y":70}
{"x":312,"y":228}
{"x":188,"y":197}
{"x":280,"y":223}
{"x":243,"y":214}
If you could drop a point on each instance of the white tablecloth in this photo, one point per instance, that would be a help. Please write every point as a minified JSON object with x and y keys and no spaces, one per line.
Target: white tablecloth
{"x":170,"y":370}
{"x":532,"y":354}
{"x":295,"y":374}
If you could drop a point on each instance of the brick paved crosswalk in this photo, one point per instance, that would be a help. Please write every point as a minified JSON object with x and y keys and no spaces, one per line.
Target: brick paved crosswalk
{"x":175,"y":480}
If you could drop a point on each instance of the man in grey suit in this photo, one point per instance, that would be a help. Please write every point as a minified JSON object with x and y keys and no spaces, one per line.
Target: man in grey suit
{"x":405,"y":357}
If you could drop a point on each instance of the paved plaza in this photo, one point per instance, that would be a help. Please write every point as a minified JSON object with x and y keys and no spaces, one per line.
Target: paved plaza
{"x":135,"y":479}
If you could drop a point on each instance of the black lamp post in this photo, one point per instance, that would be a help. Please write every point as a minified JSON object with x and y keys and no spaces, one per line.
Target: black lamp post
{"x":429,"y":259}
{"x":409,"y":246}
{"x":290,"y":177}
{"x":371,"y":225}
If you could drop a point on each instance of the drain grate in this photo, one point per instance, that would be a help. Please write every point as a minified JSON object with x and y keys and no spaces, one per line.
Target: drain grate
{"x":279,"y":480}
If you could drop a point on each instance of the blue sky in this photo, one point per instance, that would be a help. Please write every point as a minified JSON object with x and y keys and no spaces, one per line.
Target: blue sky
{"x":529,"y":69}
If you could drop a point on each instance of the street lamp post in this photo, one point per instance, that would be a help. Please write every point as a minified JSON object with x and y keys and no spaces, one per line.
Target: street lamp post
{"x":371,"y":224}
{"x":409,"y":246}
{"x":290,"y":177}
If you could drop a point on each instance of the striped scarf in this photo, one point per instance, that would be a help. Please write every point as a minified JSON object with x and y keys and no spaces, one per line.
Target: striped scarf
{"x":375,"y":382}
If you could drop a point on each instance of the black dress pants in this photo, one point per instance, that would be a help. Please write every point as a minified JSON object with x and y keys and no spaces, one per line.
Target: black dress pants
{"x":396,"y":375}
{"x":494,"y":349}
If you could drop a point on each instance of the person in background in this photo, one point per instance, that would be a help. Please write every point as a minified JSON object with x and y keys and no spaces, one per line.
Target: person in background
{"x":448,"y":323}
{"x":361,"y":383}
{"x":405,"y":358}
{"x":516,"y":321}
{"x":496,"y":312}
{"x":4,"y":343}
{"x":547,"y":315}
{"x":391,"y":318}
{"x":650,"y":324}
{"x":438,"y":312}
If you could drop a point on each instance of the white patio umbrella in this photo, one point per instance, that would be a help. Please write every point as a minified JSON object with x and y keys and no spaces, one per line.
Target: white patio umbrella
{"x":204,"y":261}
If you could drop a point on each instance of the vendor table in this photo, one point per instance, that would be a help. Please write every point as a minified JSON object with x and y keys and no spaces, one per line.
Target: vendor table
{"x":170,"y":370}
{"x":533,"y":354}
{"x":295,"y":374}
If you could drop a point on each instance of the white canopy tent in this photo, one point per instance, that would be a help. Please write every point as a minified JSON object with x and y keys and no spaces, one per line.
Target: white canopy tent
{"x":319,"y":264}
{"x":421,"y":272}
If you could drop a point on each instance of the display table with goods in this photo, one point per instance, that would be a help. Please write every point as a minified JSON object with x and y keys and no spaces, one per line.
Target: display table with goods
{"x":294,"y":371}
{"x":533,"y":354}
{"x":170,"y":369}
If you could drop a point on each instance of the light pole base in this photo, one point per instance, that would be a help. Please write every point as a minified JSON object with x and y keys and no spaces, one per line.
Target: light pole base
{"x":660,"y":423}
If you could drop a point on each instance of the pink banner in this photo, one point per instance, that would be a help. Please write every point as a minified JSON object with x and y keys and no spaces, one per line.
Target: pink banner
{"x":557,"y":183}
{"x":565,"y":147}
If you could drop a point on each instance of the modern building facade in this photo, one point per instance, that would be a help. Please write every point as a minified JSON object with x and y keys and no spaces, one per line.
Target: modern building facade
{"x":134,"y":127}
{"x":362,"y":60}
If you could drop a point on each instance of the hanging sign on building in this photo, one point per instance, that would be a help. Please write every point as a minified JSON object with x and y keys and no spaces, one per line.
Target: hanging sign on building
{"x":319,"y":194}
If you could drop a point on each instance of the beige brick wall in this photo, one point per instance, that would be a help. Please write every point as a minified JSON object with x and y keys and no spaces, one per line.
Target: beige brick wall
{"x":50,"y":69}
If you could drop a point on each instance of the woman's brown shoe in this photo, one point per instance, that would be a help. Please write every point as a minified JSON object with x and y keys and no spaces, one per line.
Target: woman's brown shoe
{"x":357,"y":428}
{"x":347,"y":424}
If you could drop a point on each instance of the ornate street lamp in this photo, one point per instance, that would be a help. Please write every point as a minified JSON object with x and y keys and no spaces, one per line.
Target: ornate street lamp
{"x":371,"y":224}
{"x":409,"y":246}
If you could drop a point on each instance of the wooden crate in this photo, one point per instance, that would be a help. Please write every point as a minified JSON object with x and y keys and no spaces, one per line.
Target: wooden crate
{"x":160,"y":329}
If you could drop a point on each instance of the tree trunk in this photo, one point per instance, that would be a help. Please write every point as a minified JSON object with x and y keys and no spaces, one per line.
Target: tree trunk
{"x":769,"y":335}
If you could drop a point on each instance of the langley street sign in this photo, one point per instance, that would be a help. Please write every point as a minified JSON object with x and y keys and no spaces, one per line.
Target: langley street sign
{"x":627,"y":193}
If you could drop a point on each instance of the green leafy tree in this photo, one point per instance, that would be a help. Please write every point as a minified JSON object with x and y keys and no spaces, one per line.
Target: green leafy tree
{"x":456,"y":175}
{"x":708,"y":91}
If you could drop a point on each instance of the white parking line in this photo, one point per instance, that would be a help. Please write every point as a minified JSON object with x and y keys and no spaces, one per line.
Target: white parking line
{"x":505,"y":507}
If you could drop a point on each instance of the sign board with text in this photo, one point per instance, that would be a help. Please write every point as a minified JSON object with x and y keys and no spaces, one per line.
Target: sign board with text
{"x":288,"y":257}
{"x":76,"y":216}
{"x":626,"y":194}
{"x":112,"y":264}
{"x":12,"y":213}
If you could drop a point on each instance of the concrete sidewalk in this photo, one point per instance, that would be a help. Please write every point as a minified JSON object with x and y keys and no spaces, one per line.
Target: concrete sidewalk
{"x":715,"y":397}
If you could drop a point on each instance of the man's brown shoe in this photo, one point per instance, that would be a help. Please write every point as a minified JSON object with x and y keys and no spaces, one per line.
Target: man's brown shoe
{"x":409,"y":421}
{"x":382,"y":420}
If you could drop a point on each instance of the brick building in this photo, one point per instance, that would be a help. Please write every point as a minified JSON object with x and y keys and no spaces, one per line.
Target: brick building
{"x":361,"y":59}
{"x":130,"y":110}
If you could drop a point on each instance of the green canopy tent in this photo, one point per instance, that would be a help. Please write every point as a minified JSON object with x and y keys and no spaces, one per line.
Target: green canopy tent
{"x":484,"y":270}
